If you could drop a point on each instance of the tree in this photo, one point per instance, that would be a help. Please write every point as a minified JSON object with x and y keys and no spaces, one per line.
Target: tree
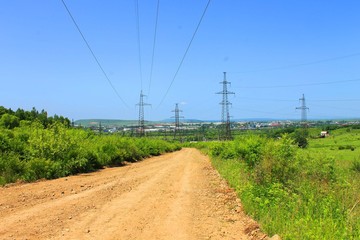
{"x":20,"y":113}
{"x":9,"y":121}
{"x":43,"y":118}
{"x":34,"y":113}
{"x":300,"y":138}
{"x":3,"y":110}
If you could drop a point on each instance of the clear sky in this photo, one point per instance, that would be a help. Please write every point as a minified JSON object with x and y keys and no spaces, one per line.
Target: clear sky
{"x":272,"y":50}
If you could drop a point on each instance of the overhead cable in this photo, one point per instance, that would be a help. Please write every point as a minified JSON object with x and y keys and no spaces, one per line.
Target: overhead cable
{"x":300,"y":64}
{"x":312,"y":100}
{"x":93,"y":54}
{"x":138,"y":40}
{"x":154,"y":44}
{"x":303,"y":84}
{"x":186,"y":51}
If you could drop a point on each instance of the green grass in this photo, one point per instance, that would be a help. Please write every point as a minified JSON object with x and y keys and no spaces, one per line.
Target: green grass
{"x":310,"y":193}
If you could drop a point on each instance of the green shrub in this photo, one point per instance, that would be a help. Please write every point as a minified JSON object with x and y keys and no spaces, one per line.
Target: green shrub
{"x":79,"y":165}
{"x":217,"y":149}
{"x":347,"y":147}
{"x":228,"y":151}
{"x":250,"y":149}
{"x":4,"y":142}
{"x":38,"y":169}
{"x":300,"y":138}
{"x":34,"y":146}
{"x":32,"y":151}
{"x":11,"y":168}
{"x":279,"y":163}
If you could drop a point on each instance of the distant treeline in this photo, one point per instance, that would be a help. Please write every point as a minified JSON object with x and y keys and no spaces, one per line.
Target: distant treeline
{"x":11,"y":119}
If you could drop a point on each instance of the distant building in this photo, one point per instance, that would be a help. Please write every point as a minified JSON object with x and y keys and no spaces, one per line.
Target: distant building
{"x":324,"y":134}
{"x":275,"y":124}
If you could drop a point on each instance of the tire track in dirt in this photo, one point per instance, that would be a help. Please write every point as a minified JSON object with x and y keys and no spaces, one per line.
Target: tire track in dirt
{"x":175,"y":196}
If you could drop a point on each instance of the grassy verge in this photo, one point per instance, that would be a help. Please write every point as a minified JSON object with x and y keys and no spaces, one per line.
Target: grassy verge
{"x":298,"y":194}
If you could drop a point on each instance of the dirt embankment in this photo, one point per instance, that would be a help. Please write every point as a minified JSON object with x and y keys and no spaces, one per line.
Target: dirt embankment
{"x":174,"y":196}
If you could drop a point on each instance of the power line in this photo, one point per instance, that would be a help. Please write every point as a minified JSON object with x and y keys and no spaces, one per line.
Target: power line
{"x":93,"y":54}
{"x":334,"y":107}
{"x":301,"y":64}
{"x":277,"y":111}
{"x":154,"y":43}
{"x":138,"y":39}
{"x":186,"y":51}
{"x":267,"y":99}
{"x":284,"y":110}
{"x":288,"y":100}
{"x":335,"y":100}
{"x":305,"y":84}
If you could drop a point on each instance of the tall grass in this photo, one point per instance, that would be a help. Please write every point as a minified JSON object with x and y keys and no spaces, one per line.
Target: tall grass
{"x":298,"y":194}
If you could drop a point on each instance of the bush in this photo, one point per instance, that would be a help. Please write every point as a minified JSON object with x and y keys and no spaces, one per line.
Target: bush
{"x":32,"y":151}
{"x":4,"y":142}
{"x":300,"y":138}
{"x":217,"y":149}
{"x":11,"y":168}
{"x":79,"y":165}
{"x":38,"y":169}
{"x":347,"y":147}
{"x":280,"y":163}
{"x":250,"y":149}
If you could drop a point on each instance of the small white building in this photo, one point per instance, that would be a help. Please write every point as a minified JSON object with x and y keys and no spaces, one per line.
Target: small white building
{"x":324,"y":134}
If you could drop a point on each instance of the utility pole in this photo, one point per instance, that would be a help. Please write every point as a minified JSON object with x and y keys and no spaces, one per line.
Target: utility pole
{"x":225,"y":115}
{"x":177,"y":120}
{"x":141,"y":124}
{"x":303,"y":109}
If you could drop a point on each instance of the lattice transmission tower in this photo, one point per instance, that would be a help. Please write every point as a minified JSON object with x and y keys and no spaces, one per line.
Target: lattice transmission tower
{"x":177,"y":117}
{"x":225,"y":115}
{"x":304,"y":110}
{"x":141,"y":123}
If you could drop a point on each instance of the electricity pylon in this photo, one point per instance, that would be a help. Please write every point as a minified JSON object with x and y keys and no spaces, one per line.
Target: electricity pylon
{"x":225,"y":115}
{"x":177,"y":120}
{"x":303,"y":109}
{"x":141,"y":104}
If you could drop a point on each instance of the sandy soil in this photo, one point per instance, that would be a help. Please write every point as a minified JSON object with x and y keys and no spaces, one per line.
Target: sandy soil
{"x":174,"y":196}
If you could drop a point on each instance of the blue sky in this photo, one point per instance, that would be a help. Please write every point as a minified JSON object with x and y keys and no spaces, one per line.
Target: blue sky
{"x":273,"y":52}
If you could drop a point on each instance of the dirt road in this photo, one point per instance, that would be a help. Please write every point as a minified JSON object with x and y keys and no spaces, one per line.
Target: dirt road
{"x":174,"y":196}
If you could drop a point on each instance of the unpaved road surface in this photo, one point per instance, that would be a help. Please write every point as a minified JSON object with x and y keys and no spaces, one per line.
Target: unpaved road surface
{"x":174,"y":196}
